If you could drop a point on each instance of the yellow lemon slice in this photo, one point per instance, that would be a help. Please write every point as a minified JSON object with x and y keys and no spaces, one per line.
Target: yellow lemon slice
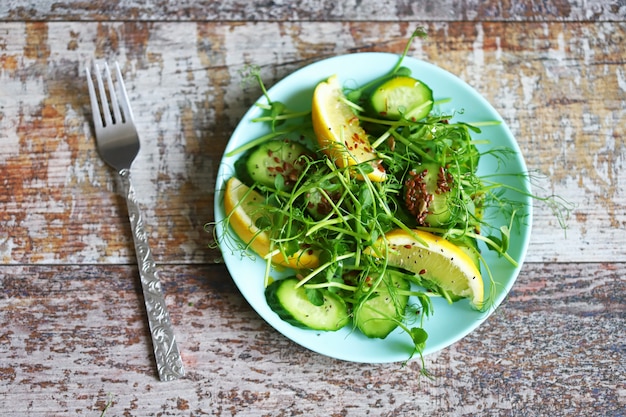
{"x":339,"y":132}
{"x":436,"y":259}
{"x":243,"y":207}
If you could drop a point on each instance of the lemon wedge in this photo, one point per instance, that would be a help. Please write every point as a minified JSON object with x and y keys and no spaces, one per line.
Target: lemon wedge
{"x":339,"y":132}
{"x":434,"y":258}
{"x":243,"y":208}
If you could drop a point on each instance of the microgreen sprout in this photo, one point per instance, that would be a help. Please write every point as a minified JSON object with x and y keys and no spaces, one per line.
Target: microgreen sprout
{"x":355,"y":95}
{"x":276,"y":112}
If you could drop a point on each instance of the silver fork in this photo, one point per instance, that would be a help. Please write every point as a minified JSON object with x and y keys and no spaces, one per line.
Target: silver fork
{"x":118,"y":144}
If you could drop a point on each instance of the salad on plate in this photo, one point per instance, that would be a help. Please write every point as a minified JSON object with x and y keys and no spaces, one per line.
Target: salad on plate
{"x":372,"y":207}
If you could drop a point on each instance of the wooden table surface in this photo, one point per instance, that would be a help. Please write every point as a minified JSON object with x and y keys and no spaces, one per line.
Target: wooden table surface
{"x":73,"y":333}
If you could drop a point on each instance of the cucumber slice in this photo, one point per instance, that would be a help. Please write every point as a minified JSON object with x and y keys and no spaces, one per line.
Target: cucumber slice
{"x":293,"y":306}
{"x":427,"y":194}
{"x":319,"y":204}
{"x":275,"y":158}
{"x":402,"y":97}
{"x":372,"y":315}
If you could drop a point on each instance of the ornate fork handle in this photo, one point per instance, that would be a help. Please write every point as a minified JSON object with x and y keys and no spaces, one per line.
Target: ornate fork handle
{"x":169,"y":362}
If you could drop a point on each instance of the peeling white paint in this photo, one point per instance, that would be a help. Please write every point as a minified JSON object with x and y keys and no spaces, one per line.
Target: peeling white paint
{"x":529,"y":87}
{"x":621,"y":78}
{"x":477,"y":57}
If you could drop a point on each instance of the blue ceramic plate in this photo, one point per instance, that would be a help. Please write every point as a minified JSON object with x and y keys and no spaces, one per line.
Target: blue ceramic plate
{"x":449,"y":323}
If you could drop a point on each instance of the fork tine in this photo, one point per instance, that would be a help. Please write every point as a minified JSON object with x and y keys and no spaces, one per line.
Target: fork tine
{"x":106,"y":111}
{"x":95,"y":107}
{"x":117,"y":118}
{"x":125,"y":103}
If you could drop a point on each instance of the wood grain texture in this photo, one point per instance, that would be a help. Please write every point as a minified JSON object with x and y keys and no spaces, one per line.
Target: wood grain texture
{"x":73,"y":334}
{"x":314,"y":10}
{"x":555,"y":347}
{"x":560,"y":87}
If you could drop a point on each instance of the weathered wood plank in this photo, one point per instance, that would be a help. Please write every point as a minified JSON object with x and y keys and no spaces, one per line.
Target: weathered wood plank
{"x":555,"y":348}
{"x":560,"y":86}
{"x":324,"y":10}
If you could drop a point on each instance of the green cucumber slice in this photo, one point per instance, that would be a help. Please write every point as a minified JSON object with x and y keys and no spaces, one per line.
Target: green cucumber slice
{"x":372,"y":316}
{"x":293,"y":306}
{"x":283,"y":157}
{"x":427,"y":194}
{"x":402,"y":97}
